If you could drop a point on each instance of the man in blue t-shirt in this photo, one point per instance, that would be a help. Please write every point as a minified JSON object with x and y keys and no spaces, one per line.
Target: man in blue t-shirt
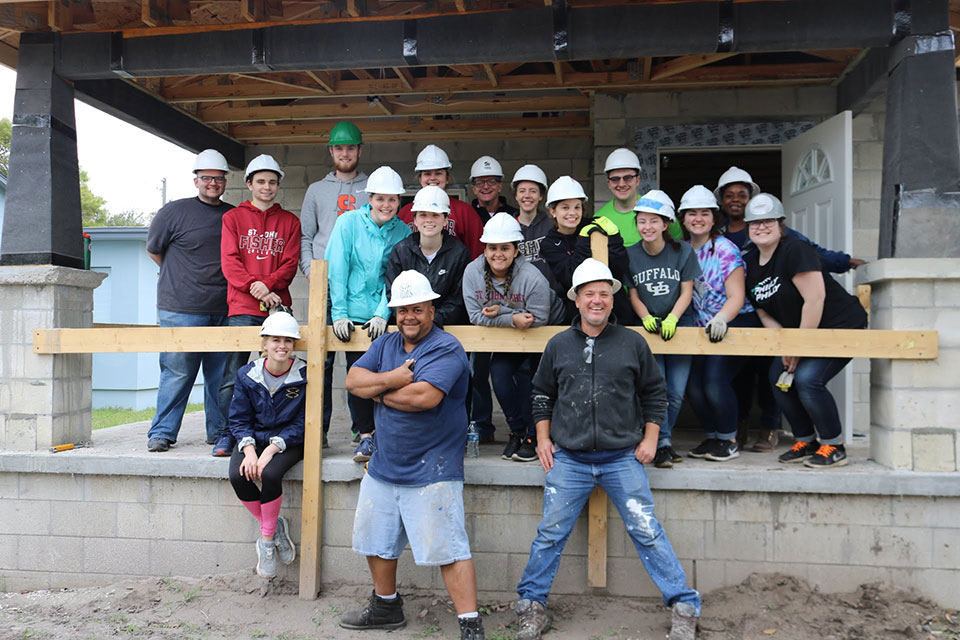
{"x":413,"y":489}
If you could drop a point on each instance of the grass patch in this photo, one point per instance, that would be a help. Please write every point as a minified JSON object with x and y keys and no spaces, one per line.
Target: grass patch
{"x":112,"y":416}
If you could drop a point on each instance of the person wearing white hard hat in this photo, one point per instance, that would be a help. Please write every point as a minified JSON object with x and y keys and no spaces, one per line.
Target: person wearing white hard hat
{"x":790,"y":287}
{"x":267,"y":420}
{"x":598,"y":401}
{"x":357,"y":254}
{"x":662,"y":271}
{"x":486,"y":180}
{"x":259,"y":253}
{"x":529,"y":190}
{"x":433,"y":168}
{"x":501,"y":290}
{"x":184,"y":241}
{"x":718,"y":300}
{"x":413,"y":488}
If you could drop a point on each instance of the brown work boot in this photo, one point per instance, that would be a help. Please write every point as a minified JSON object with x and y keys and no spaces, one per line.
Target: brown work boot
{"x":683,"y":623}
{"x":532,"y":619}
{"x":767,"y":441}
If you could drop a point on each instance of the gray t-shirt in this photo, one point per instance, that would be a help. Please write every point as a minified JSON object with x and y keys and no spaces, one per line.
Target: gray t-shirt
{"x":272,"y":382}
{"x":187,"y":234}
{"x":657,"y":278}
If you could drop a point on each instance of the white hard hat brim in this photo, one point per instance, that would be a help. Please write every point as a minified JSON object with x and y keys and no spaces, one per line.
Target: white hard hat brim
{"x":572,"y":291}
{"x":402,"y":302}
{"x":754,"y":188}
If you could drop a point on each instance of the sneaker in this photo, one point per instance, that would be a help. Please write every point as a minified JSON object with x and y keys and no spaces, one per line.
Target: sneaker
{"x":674,"y":456}
{"x":513,"y":444}
{"x":702,"y":449}
{"x":326,"y":443}
{"x":471,"y":629}
{"x":663,"y":459}
{"x":723,"y":450}
{"x":527,"y":451}
{"x":827,"y":456}
{"x":799,"y":452}
{"x":378,"y":614}
{"x":487,"y":437}
{"x":532,"y":619}
{"x":224,"y":445}
{"x":356,"y":436}
{"x":285,"y":549}
{"x":683,"y":622}
{"x":266,"y":558}
{"x":364,"y":450}
{"x":158,"y":444}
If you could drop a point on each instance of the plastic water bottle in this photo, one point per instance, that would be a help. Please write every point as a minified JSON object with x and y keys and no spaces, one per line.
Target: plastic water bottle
{"x":473,"y":440}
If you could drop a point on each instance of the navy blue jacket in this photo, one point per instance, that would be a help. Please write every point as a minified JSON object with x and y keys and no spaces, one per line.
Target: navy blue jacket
{"x":254,"y":413}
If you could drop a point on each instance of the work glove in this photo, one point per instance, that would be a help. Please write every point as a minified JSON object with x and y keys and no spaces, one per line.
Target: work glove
{"x":668,"y":326}
{"x":651,"y":323}
{"x":717,"y":328}
{"x":342,"y":329}
{"x":602,"y":224}
{"x":375,"y":327}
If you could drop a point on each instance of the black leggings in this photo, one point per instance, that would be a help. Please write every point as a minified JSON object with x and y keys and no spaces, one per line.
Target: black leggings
{"x":272,"y":477}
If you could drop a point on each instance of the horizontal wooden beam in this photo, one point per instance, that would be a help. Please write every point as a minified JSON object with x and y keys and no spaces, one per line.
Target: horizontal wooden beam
{"x":686,"y":63}
{"x":442,"y":136}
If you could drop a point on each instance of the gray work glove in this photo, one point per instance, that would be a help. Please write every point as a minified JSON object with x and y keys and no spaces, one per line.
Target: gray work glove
{"x":717,"y":328}
{"x":375,"y":327}
{"x":342,"y":329}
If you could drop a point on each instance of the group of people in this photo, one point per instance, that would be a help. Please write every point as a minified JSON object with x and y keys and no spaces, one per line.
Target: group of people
{"x":722,"y":258}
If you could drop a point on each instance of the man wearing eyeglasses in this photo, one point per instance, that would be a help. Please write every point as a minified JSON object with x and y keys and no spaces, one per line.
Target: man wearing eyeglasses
{"x":486,"y":179}
{"x":184,"y":241}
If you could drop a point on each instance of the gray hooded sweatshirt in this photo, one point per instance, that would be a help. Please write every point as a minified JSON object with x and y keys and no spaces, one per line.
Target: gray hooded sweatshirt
{"x":322,"y":205}
{"x":529,"y":291}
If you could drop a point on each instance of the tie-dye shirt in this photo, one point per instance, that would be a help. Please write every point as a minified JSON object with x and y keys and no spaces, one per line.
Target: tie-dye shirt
{"x":718,"y":259}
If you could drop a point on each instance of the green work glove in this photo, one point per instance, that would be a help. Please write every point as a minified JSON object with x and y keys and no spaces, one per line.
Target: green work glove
{"x":609,"y":226}
{"x":651,"y":323}
{"x":668,"y":327}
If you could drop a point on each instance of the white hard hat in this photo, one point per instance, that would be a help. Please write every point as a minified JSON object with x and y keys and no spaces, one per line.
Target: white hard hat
{"x":621,"y":159}
{"x":698,"y":197}
{"x":432,"y":157}
{"x":486,"y":166}
{"x":591,"y":270}
{"x":385,"y":180}
{"x":658,"y":202}
{"x":735,"y":174}
{"x":410,"y":287}
{"x":532,"y":173}
{"x":565,"y":188}
{"x":262,"y":162}
{"x":431,"y":198}
{"x":764,"y":206}
{"x":502,"y":227}
{"x":280,"y":323}
{"x":210,"y":159}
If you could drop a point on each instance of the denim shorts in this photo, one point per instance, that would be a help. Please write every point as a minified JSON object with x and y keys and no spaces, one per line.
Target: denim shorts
{"x":430,"y":518}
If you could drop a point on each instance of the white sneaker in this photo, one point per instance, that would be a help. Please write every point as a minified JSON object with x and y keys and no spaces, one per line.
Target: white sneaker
{"x":285,"y":549}
{"x":266,"y":559}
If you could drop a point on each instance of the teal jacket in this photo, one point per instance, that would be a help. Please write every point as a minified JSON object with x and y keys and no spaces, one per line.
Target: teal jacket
{"x":357,"y":254}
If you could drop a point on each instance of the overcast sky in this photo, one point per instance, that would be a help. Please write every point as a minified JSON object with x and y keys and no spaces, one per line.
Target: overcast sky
{"x":125,"y":165}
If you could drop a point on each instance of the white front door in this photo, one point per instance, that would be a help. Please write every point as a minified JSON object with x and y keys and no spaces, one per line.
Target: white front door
{"x":818,"y":200}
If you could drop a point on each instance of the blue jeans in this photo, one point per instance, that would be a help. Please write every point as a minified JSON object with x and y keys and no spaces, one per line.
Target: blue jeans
{"x":566,"y":490}
{"x":178,"y":374}
{"x":711,"y":394}
{"x":676,"y":371}
{"x":512,"y":376}
{"x":753,"y":375}
{"x":233,"y":361}
{"x":808,"y":404}
{"x":481,"y":402}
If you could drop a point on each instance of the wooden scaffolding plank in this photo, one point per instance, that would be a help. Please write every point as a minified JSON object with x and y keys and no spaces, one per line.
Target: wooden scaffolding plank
{"x":597,"y":506}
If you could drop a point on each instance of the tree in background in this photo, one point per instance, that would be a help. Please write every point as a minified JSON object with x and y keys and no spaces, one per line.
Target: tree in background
{"x":6,"y":129}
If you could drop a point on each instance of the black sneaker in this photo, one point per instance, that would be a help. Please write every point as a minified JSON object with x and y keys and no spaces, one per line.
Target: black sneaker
{"x":799,"y":452}
{"x":674,"y":456}
{"x":378,"y":614}
{"x":471,"y":629}
{"x":516,"y":439}
{"x":702,"y":449}
{"x":487,"y":437}
{"x":663,"y":459}
{"x":527,"y":451}
{"x":723,"y":450}
{"x":827,"y":456}
{"x":158,"y":444}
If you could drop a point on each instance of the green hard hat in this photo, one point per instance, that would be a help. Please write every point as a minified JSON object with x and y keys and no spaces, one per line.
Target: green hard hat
{"x":345,"y":132}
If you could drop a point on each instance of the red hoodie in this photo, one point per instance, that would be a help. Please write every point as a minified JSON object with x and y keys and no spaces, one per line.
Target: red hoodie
{"x":463,"y":223}
{"x":258,"y":245}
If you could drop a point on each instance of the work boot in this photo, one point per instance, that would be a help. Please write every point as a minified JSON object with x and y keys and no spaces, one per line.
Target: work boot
{"x":683,"y":623}
{"x":266,"y":558}
{"x":532,"y":619}
{"x":378,"y":614}
{"x":285,"y":549}
{"x":472,"y":629}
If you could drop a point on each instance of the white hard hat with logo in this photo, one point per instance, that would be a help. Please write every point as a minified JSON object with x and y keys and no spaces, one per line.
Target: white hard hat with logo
{"x":764,"y":206}
{"x":621,"y":159}
{"x":486,"y":166}
{"x":432,"y":157}
{"x":531,"y":173}
{"x":735,"y":174}
{"x":386,"y":181}
{"x":565,"y":188}
{"x":410,"y":287}
{"x":280,"y":323}
{"x":262,"y":162}
{"x":658,"y":202}
{"x":431,"y":198}
{"x":591,"y":270}
{"x":501,"y":228}
{"x":210,"y":159}
{"x":698,"y":197}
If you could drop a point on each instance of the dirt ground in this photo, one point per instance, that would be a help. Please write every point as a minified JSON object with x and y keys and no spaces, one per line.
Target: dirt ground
{"x":241,"y":606}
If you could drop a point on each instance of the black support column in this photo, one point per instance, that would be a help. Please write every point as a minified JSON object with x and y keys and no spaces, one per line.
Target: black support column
{"x":42,"y":219}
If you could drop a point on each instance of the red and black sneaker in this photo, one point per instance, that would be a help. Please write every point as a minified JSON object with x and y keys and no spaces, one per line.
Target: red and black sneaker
{"x":527,"y":451}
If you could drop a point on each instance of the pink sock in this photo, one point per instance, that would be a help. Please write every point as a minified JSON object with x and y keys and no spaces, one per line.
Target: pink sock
{"x":270,"y":511}
{"x":253,"y":507}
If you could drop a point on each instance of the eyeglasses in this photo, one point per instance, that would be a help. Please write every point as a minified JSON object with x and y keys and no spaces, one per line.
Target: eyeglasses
{"x":769,"y":222}
{"x":588,"y":350}
{"x":486,"y":182}
{"x":209,"y":179}
{"x":619,"y":179}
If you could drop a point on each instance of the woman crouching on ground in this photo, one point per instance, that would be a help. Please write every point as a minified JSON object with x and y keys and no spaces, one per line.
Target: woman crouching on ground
{"x":266,"y":419}
{"x":789,"y":287}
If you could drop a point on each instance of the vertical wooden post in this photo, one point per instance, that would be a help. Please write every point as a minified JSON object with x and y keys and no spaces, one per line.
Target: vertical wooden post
{"x":597,"y":508}
{"x":311,"y":517}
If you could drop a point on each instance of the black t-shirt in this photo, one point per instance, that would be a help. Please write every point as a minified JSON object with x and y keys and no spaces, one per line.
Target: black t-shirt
{"x":770,"y":287}
{"x":187,"y":234}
